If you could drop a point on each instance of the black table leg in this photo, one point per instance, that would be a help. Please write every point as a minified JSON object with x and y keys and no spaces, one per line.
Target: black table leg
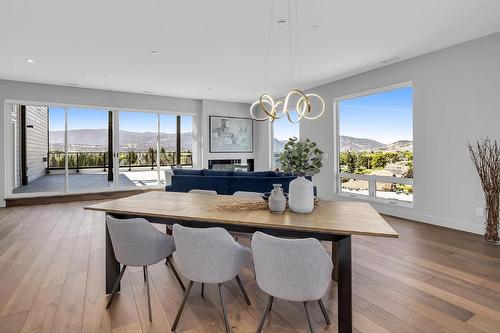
{"x":112,"y":266}
{"x":344,"y":285}
{"x":335,"y":272}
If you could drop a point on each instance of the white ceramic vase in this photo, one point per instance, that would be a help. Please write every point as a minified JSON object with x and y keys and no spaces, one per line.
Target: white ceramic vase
{"x":301,"y":195}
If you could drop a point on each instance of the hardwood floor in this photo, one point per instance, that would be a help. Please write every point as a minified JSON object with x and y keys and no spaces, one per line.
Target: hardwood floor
{"x":52,"y":280}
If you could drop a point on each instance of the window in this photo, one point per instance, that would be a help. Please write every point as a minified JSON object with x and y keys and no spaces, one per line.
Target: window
{"x":283,"y":129}
{"x":60,"y":149}
{"x":375,"y":145}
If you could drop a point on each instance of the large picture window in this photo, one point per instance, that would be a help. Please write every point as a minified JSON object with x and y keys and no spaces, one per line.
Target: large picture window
{"x":375,"y":145}
{"x":282,"y":131}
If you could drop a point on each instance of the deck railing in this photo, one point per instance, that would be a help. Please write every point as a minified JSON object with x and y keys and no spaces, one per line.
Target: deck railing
{"x":128,"y":159}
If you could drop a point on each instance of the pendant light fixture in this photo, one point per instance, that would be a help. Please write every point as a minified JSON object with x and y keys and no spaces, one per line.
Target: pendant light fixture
{"x":266,"y":108}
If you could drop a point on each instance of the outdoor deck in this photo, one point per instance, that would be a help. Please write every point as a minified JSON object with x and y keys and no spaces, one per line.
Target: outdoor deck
{"x":84,"y":181}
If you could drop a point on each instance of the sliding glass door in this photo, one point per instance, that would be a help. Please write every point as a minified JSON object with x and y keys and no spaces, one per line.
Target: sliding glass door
{"x":138,"y":147}
{"x":71,"y":149}
{"x":88,"y":150}
{"x":38,"y":146}
{"x":168,"y":145}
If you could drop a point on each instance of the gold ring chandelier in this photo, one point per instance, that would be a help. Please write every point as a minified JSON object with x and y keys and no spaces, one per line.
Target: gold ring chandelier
{"x":270,"y":109}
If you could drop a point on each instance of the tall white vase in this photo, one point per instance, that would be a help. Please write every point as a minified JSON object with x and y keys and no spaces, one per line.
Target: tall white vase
{"x":301,"y":196}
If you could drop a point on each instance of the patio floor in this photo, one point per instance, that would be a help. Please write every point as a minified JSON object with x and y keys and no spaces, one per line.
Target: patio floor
{"x":87,"y":181}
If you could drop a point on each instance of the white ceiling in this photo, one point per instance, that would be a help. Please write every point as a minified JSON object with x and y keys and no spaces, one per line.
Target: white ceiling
{"x":217,"y":49}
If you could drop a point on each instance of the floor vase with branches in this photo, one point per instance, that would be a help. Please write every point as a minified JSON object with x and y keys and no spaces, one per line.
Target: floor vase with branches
{"x":486,"y":157}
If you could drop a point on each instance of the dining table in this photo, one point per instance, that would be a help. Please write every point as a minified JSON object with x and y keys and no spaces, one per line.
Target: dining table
{"x":335,"y":221}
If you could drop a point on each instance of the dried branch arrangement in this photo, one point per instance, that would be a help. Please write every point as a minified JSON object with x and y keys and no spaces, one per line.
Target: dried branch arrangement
{"x":485,"y":155}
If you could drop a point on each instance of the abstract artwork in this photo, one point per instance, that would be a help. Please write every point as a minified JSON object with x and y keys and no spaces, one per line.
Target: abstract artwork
{"x":231,"y":135}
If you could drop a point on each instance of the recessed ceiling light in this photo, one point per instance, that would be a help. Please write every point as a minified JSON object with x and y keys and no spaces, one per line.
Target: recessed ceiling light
{"x":316,"y":26}
{"x":71,"y":84}
{"x":155,"y":52}
{"x":30,"y":61}
{"x":147,"y":91}
{"x":281,"y":20}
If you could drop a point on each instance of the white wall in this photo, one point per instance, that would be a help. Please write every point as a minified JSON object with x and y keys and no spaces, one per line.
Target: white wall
{"x":456,"y":100}
{"x":217,"y":108}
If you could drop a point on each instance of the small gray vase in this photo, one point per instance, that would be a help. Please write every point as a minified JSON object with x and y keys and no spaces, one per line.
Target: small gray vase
{"x":277,"y":200}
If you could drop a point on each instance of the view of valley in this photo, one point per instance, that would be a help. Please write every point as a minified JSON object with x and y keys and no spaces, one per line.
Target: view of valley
{"x":89,"y":148}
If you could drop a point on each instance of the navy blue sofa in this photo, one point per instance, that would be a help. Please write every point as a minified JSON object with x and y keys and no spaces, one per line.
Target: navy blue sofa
{"x":227,"y":182}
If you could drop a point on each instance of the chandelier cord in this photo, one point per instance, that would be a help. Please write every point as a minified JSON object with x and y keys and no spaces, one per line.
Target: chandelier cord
{"x":290,"y":43}
{"x":272,"y":109}
{"x":299,"y":47}
{"x":269,"y":46}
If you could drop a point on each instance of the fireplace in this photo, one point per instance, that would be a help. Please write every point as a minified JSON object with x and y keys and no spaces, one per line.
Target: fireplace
{"x":231,"y":164}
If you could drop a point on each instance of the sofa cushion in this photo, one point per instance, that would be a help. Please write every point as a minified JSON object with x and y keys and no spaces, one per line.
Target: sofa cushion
{"x":208,"y":172}
{"x":258,"y":184}
{"x":191,"y":172}
{"x":185,"y":183}
{"x":252,"y":174}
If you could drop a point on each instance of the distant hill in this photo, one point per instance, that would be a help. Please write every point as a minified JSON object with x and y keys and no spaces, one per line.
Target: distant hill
{"x":96,"y":138}
{"x":279,"y":145}
{"x":399,"y":145}
{"x":361,"y":144}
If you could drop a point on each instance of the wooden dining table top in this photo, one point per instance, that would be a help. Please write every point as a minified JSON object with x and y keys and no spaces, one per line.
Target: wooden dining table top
{"x":329,"y":217}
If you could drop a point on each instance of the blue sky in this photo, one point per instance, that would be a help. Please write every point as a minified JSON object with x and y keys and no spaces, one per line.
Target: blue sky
{"x":386,"y":116}
{"x":283,"y":129}
{"x":82,"y":118}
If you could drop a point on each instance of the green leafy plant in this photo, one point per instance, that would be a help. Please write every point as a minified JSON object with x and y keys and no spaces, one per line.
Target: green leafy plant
{"x":301,"y":158}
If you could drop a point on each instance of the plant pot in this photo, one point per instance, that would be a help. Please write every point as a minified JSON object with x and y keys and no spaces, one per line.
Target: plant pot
{"x":492,"y":218}
{"x":301,"y":195}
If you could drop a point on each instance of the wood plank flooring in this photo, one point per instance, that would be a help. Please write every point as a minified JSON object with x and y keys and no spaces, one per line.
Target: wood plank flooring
{"x":431,"y":279}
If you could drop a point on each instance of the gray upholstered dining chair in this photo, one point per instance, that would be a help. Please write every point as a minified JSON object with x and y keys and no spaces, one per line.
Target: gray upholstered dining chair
{"x":137,"y":243}
{"x":208,"y":255}
{"x":291,"y":269}
{"x":197,"y":191}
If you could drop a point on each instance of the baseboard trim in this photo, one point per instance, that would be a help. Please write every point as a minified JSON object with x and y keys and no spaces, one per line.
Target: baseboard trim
{"x":411,"y":214}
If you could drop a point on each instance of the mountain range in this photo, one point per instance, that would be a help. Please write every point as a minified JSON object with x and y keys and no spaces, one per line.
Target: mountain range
{"x":97,"y":138}
{"x":360,"y":144}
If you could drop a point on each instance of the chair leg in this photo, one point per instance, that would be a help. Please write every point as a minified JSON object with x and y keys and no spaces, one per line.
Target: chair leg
{"x":325,"y":313}
{"x":308,"y":318}
{"x":115,"y":287}
{"x":264,"y":315}
{"x":202,"y":290}
{"x":144,"y":273}
{"x":177,"y":277}
{"x":243,"y":291}
{"x":181,"y":308}
{"x":224,"y":314}
{"x":146,"y":277}
{"x":271,"y":305}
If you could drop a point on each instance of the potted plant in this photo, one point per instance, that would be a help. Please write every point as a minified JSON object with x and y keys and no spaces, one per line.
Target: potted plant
{"x":302,"y":159}
{"x":486,"y":157}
